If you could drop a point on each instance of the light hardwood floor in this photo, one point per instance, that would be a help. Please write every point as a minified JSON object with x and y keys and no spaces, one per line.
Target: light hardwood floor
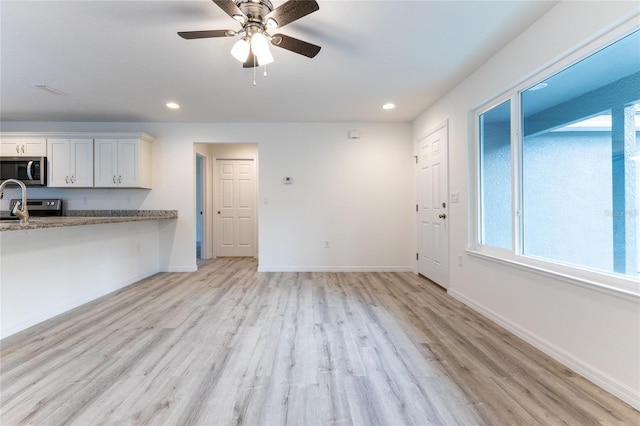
{"x":228,"y":345}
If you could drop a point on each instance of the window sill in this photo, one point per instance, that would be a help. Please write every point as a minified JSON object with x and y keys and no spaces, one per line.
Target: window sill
{"x":622,"y":287}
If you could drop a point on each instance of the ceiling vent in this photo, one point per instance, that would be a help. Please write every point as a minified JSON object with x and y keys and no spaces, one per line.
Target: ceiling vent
{"x":48,"y":89}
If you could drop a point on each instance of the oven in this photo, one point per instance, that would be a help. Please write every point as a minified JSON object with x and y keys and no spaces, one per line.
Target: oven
{"x":37,"y":208}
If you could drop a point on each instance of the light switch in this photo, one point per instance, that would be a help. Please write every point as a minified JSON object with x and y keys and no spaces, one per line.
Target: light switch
{"x":455,"y":197}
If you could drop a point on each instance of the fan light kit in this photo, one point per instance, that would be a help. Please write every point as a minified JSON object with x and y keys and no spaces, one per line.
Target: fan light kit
{"x":256,"y":17}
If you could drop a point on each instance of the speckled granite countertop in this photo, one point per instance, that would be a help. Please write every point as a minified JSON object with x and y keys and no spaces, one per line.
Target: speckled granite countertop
{"x":88,"y":217}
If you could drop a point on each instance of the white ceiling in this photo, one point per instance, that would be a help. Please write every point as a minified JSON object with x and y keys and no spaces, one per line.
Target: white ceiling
{"x":122,"y":61}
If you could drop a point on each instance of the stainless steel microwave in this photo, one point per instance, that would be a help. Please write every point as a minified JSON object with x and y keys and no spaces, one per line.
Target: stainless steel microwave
{"x":30,"y":170}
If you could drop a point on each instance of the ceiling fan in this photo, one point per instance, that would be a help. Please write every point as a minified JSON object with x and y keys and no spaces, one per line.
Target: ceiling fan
{"x":256,"y":18}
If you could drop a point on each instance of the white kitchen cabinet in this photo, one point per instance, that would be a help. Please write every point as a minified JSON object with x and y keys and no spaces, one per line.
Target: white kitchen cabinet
{"x":23,"y":147}
{"x":123,"y":163}
{"x":70,"y":162}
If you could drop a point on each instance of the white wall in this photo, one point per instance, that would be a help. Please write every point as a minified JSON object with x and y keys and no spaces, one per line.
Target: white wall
{"x":596,"y":333}
{"x":357,"y":194}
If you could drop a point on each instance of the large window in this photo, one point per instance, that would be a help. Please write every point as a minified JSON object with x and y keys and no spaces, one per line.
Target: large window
{"x":577,"y":157}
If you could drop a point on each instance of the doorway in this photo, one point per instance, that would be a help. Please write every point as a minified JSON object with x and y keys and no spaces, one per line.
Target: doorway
{"x":433,"y":205}
{"x":201,"y":174}
{"x":209,"y":195}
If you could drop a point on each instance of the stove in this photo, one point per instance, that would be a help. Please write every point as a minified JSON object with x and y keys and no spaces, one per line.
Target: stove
{"x":37,"y":208}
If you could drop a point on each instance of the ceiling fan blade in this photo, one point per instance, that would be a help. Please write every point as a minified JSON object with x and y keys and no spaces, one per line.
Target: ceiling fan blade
{"x":189,"y":35}
{"x":292,"y":10}
{"x":293,"y":44}
{"x":231,"y":9}
{"x":251,"y":61}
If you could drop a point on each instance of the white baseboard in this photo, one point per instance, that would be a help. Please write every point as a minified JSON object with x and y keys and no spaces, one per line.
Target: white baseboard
{"x":192,"y":268}
{"x":335,"y":269}
{"x":620,"y":390}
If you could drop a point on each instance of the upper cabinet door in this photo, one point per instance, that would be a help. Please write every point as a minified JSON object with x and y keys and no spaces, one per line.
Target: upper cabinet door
{"x":58,"y":169}
{"x":129,"y":162}
{"x":35,"y":147}
{"x":106,"y":163}
{"x":23,"y":147}
{"x":81,"y":161}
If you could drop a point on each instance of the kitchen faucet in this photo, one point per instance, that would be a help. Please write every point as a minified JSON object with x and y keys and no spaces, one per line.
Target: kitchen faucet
{"x":20,"y":208}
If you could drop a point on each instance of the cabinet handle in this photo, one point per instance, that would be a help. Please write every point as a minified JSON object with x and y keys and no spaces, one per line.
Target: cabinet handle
{"x":114,"y":179}
{"x":119,"y":179}
{"x":73,"y":179}
{"x":22,"y":148}
{"x":18,"y":149}
{"x":66,"y":179}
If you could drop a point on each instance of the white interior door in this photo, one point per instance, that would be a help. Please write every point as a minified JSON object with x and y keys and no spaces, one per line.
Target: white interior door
{"x":433,"y":206}
{"x":236,"y":210}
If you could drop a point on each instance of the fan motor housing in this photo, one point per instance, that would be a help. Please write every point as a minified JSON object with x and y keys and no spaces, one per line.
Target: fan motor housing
{"x":256,"y":11}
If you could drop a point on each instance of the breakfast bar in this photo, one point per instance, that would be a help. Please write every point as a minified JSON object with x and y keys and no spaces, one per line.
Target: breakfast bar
{"x":53,"y":264}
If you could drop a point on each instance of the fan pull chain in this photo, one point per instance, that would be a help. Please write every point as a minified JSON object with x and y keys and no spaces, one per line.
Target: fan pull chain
{"x":264,"y":73}
{"x":254,"y":71}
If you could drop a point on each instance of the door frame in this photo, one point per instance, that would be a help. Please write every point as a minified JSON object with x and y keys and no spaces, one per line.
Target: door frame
{"x":444,"y":124}
{"x":216,"y":198}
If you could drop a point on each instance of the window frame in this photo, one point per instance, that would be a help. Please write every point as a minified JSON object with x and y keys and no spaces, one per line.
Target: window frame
{"x":616,"y":284}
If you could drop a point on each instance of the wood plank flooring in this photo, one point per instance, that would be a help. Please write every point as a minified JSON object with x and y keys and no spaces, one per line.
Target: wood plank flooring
{"x":228,"y":345}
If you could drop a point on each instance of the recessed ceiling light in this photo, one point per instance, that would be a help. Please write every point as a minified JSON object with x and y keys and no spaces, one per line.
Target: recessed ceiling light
{"x":388,"y":106}
{"x":172,"y":105}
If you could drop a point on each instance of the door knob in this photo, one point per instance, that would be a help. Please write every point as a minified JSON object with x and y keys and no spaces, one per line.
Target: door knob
{"x":442,"y":216}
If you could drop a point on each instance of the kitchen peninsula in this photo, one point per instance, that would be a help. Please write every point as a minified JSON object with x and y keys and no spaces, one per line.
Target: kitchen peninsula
{"x":54,"y":264}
